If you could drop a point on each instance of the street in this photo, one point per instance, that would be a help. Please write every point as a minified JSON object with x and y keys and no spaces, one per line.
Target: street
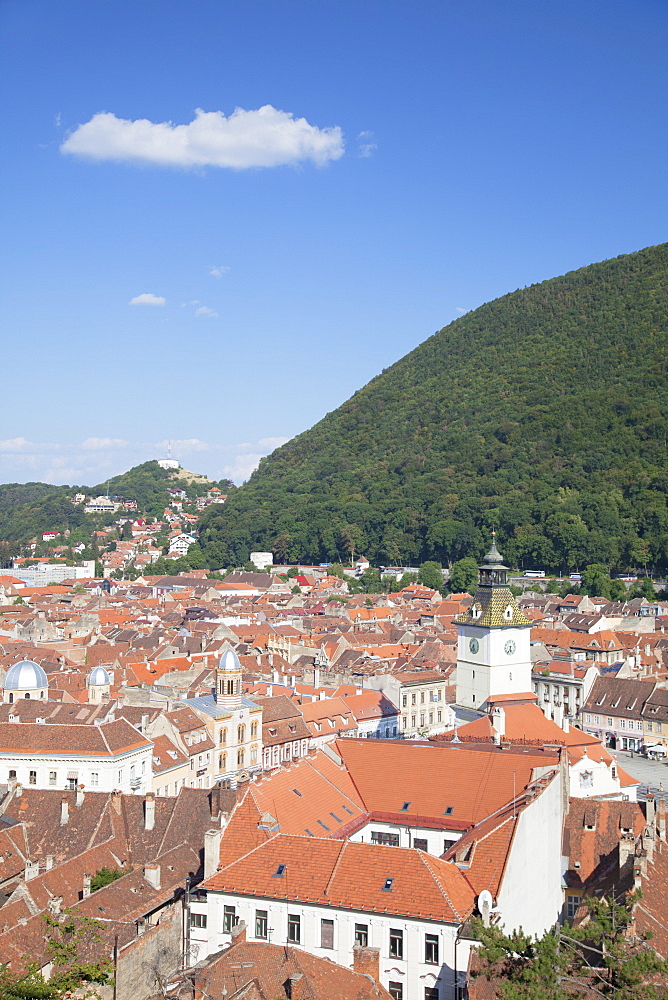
{"x":652,"y":774}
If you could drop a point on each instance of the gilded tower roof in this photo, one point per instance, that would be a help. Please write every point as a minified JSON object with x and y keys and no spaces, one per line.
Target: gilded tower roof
{"x":493,"y":605}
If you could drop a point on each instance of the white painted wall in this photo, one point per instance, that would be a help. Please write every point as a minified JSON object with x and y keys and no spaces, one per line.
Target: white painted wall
{"x":531,"y":896}
{"x":412,"y":971}
{"x":490,"y":670}
{"x":129,"y":772}
{"x":435,"y":838}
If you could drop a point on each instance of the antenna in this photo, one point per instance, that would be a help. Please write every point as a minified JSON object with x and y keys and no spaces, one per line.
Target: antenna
{"x":169,"y":449}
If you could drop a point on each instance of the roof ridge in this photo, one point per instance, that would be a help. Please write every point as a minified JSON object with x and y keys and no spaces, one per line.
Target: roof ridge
{"x":336,"y":865}
{"x":423,"y":857}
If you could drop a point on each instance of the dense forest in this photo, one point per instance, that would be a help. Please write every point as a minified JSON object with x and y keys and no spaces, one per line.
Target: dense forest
{"x":543,"y":413}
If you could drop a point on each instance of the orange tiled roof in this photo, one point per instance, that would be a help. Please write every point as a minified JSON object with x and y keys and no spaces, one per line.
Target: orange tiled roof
{"x":351,"y":875}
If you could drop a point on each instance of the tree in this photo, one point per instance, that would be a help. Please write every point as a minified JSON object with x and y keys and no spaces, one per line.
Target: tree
{"x":643,"y":588}
{"x":596,"y":581}
{"x":430,"y":575}
{"x":464,"y":575}
{"x":105,"y":876}
{"x":594,"y":959}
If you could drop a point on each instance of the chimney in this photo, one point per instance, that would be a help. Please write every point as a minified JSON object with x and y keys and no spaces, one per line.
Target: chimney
{"x":152,"y":875}
{"x":144,"y":723}
{"x":18,"y":791}
{"x":650,"y":809}
{"x":79,"y":795}
{"x":31,"y":870}
{"x":86,"y":885}
{"x":297,"y":986}
{"x":274,"y":675}
{"x":54,"y":905}
{"x":149,"y":811}
{"x":661,"y":818}
{"x":238,"y":933}
{"x":316,"y":677}
{"x":499,"y":720}
{"x":64,"y":811}
{"x":627,"y":847}
{"x":211,"y":852}
{"x":367,"y":962}
{"x":49,"y":862}
{"x":565,"y":725}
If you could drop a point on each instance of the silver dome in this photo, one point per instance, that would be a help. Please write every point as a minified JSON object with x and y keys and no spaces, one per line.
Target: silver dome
{"x":99,"y":675}
{"x":229,"y":661}
{"x":26,"y":675}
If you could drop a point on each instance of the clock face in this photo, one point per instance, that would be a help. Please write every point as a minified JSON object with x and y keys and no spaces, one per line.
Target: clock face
{"x":510,"y":647}
{"x":474,"y":645}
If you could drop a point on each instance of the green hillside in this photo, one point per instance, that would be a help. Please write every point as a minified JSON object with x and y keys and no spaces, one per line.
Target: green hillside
{"x":543,"y":413}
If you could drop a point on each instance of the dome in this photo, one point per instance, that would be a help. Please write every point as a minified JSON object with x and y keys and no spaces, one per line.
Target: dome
{"x":229,"y":662}
{"x":25,"y":676}
{"x":98,"y":675}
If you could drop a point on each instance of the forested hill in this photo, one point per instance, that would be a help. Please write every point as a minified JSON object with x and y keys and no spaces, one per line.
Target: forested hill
{"x":543,"y":413}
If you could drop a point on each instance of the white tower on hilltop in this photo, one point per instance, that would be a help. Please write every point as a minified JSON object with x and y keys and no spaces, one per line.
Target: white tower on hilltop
{"x":169,"y":462}
{"x":493,"y":652}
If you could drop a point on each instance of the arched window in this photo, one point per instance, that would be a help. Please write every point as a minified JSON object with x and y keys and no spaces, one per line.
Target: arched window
{"x":223,"y":737}
{"x":240,"y":759}
{"x":230,"y":687}
{"x":27,"y":695}
{"x":241,"y":734}
{"x":222,"y":761}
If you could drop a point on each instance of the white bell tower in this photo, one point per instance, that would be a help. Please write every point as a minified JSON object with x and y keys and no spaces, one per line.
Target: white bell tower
{"x":228,"y":680}
{"x":493,"y":650}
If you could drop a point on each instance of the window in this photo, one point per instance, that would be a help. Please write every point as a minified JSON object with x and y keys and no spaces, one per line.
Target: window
{"x":649,"y":727}
{"x":439,"y":716}
{"x":431,"y":718}
{"x":413,"y":698}
{"x":294,"y":928}
{"x":261,"y":924}
{"x":422,"y":718}
{"x":222,"y":761}
{"x":253,"y":755}
{"x":596,"y":718}
{"x":326,"y":933}
{"x":622,"y":723}
{"x":396,"y":991}
{"x":420,"y":843}
{"x":253,"y":730}
{"x":404,"y":701}
{"x":413,"y":717}
{"x":588,"y":718}
{"x":229,"y":919}
{"x":198,"y":919}
{"x":379,"y":837}
{"x":572,"y":903}
{"x":396,"y":943}
{"x":431,"y":993}
{"x":12,"y":775}
{"x":223,"y":737}
{"x":447,"y":844}
{"x":52,"y":777}
{"x":362,"y":935}
{"x":404,"y":722}
{"x":32,"y":779}
{"x":422,"y":697}
{"x":431,"y":948}
{"x":240,"y":759}
{"x":241,"y":734}
{"x":120,"y":777}
{"x":609,"y":723}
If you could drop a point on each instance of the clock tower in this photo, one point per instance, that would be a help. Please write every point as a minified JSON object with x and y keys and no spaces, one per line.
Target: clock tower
{"x":493,"y":651}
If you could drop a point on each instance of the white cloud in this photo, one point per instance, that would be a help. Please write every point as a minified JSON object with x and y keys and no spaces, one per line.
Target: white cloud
{"x":147,"y":299}
{"x":241,"y":467}
{"x":103,"y":444}
{"x":459,"y":310}
{"x":218,"y":272}
{"x":184,"y":446}
{"x":205,"y":311}
{"x":13,"y":445}
{"x":365,"y":145}
{"x":266,"y":137}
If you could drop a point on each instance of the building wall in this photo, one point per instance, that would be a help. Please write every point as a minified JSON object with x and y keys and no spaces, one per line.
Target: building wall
{"x":411,"y":971}
{"x":531,"y":895}
{"x":438,"y":841}
{"x":129,"y":773}
{"x":490,"y":670}
{"x":155,"y":954}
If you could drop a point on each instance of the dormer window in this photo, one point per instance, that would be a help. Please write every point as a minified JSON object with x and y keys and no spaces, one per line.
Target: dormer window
{"x":508,"y":613}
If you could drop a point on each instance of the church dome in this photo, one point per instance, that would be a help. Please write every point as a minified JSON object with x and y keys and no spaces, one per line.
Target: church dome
{"x":98,"y":676}
{"x":229,"y":662}
{"x":25,"y":676}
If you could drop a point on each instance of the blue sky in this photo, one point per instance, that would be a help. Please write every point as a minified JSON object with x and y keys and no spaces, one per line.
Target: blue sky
{"x":225,"y":280}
